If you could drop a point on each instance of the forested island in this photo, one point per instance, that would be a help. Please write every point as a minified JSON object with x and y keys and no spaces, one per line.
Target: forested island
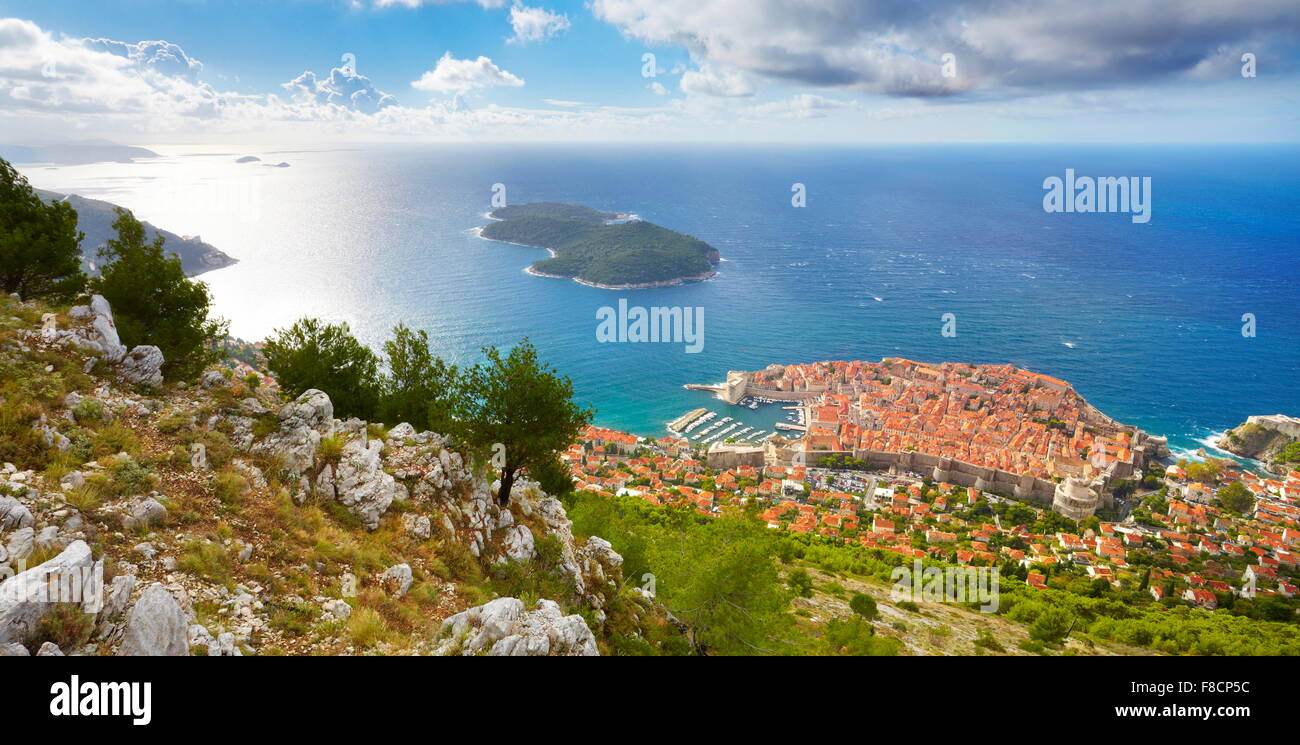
{"x":602,"y":249}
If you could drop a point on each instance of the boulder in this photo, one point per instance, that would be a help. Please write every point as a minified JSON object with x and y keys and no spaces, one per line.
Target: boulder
{"x":116,"y":599}
{"x":398,"y":577}
{"x":360,"y":483}
{"x":21,"y":544}
{"x":212,"y":379}
{"x":336,"y":609}
{"x":505,"y":629}
{"x":484,"y":624}
{"x":102,"y":336}
{"x":417,"y":526}
{"x":26,"y":598}
{"x":313,"y":409}
{"x":302,"y":422}
{"x":142,"y":366}
{"x":156,"y":626}
{"x":145,"y":513}
{"x":13,"y":514}
{"x":72,"y":480}
{"x":224,"y":646}
{"x":401,"y":433}
{"x":519,"y":544}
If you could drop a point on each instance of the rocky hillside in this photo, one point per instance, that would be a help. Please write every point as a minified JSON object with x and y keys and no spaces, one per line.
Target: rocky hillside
{"x":222,"y":520}
{"x":1273,"y":440}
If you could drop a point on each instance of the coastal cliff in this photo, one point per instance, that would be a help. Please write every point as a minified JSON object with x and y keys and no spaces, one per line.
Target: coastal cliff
{"x":95,"y":218}
{"x":1272,"y":439}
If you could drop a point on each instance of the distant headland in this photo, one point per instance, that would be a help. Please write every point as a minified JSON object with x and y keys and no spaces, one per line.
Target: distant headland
{"x":610,"y":250}
{"x":95,"y":219}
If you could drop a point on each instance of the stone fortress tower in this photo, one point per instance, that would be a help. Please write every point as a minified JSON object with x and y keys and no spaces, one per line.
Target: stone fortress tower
{"x":1076,"y":498}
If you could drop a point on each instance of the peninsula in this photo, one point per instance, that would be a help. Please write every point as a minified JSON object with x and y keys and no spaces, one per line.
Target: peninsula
{"x":1272,"y":439}
{"x":609,"y":250}
{"x":95,"y":218}
{"x":991,"y":427}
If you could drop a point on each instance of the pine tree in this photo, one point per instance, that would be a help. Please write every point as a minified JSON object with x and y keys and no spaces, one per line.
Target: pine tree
{"x":40,"y":246}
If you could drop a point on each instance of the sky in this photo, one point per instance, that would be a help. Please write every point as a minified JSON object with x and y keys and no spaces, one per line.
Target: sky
{"x":799,"y":71}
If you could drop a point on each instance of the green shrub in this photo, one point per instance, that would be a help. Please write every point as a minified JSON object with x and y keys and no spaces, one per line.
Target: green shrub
{"x":229,"y":487}
{"x":89,"y":410}
{"x":40,"y":252}
{"x":207,"y":560}
{"x":67,"y":625}
{"x":112,"y":439}
{"x":154,"y":302}
{"x":864,"y":605}
{"x":313,"y":354}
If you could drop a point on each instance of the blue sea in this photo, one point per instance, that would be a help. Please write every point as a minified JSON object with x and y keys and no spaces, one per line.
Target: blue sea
{"x":1144,"y":319}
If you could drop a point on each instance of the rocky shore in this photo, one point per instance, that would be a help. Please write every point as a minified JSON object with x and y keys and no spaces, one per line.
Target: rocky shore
{"x":1265,"y":438}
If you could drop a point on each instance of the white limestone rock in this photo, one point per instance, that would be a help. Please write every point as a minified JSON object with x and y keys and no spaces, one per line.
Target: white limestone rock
{"x":336,"y":609}
{"x":519,"y":545}
{"x":360,"y":483}
{"x":145,"y":513}
{"x":505,"y":629}
{"x":398,"y":578}
{"x":13,"y":514}
{"x":20,"y":545}
{"x":302,"y":423}
{"x":26,"y":598}
{"x":142,"y":366}
{"x":417,"y":526}
{"x":156,"y":626}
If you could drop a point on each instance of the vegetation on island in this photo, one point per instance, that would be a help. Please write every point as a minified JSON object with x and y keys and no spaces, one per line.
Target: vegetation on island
{"x":590,"y":248}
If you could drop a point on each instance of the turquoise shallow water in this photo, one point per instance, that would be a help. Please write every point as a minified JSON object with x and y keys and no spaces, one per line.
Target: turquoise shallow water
{"x":1145,"y":320}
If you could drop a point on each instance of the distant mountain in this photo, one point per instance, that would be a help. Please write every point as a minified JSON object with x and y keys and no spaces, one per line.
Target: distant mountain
{"x":74,"y":153}
{"x":95,"y":219}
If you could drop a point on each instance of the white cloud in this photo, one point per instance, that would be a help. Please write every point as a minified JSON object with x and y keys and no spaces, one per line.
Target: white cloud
{"x":453,"y":75}
{"x":721,"y":83}
{"x":162,"y":56}
{"x":657,"y":88}
{"x":535,"y":24}
{"x":97,"y":76}
{"x":418,"y":3}
{"x":800,"y":106}
{"x":1004,"y":46}
{"x":344,"y":87}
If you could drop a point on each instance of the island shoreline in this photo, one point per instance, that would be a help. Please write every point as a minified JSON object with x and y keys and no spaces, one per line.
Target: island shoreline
{"x":478,"y":232}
